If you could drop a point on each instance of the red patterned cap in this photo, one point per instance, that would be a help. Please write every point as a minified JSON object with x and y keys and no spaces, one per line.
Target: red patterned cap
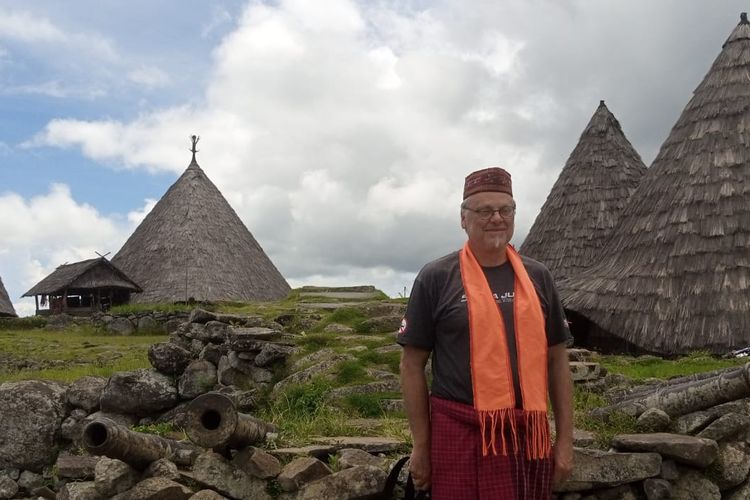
{"x":488,"y":179}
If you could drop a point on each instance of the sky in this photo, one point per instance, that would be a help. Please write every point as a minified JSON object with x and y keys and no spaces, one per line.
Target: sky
{"x":340,"y":131}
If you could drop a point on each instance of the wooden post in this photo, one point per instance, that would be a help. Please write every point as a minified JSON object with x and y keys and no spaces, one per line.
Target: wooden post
{"x":36,"y":299}
{"x":65,"y":301}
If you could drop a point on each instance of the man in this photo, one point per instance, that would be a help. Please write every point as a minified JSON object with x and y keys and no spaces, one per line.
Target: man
{"x":494,"y":325}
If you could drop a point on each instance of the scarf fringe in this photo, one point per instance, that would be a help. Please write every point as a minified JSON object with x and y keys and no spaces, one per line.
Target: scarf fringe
{"x":493,"y":422}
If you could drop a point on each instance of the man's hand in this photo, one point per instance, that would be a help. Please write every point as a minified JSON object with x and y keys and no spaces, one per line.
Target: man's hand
{"x":421,"y":468}
{"x":563,"y":462}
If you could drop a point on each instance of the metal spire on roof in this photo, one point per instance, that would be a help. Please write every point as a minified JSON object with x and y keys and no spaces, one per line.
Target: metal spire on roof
{"x":194,"y":139}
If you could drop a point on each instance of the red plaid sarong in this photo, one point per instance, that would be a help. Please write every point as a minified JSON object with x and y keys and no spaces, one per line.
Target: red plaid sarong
{"x":460,"y":472}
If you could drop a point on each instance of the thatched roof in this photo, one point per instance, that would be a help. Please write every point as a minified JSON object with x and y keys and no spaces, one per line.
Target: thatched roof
{"x":676,"y":275}
{"x":193,"y":245}
{"x":587,"y":200}
{"x":87,"y":274}
{"x":6,"y":306}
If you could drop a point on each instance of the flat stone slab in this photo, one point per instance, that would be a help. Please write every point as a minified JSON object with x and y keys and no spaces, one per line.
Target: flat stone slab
{"x":599,"y":469}
{"x":80,"y":467}
{"x":368,"y":444}
{"x":239,"y":335}
{"x":689,"y":450}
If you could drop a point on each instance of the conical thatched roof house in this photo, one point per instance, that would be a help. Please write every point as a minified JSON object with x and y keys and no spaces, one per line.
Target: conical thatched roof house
{"x":6,"y":306}
{"x":676,"y":275}
{"x":192,"y":245}
{"x":587,"y":200}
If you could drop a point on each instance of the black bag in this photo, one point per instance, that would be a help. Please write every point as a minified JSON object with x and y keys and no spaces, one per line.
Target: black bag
{"x":390,"y":485}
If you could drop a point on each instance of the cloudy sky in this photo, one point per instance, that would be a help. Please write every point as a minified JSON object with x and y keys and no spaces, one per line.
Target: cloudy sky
{"x":339,"y":130}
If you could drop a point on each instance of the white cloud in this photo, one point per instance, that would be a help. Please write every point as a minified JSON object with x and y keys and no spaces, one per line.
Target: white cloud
{"x":337,"y":141}
{"x":55,"y":89}
{"x":149,"y":76}
{"x":51,"y":229}
{"x":219,"y":17}
{"x":28,"y":28}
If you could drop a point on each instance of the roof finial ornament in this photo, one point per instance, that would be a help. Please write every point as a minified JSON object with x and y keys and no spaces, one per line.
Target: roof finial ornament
{"x":195,"y":139}
{"x":601,"y":102}
{"x":743,"y":18}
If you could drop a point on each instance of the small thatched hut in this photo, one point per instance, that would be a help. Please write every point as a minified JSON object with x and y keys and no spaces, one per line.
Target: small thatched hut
{"x":83,"y":287}
{"x":675,"y":276}
{"x":6,"y":306}
{"x":193,"y":246}
{"x":587,"y":200}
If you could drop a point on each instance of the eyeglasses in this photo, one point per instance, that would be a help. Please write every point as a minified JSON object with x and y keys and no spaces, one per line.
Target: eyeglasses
{"x":486,"y":213}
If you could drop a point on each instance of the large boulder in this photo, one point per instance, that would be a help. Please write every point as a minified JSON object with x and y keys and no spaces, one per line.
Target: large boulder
{"x":301,"y":471}
{"x":30,"y":415}
{"x":112,"y":476}
{"x":156,"y":488}
{"x":85,"y":393}
{"x":692,"y":485}
{"x":212,"y":470}
{"x":198,"y":378}
{"x":731,"y":466}
{"x":140,"y":392}
{"x":356,"y":482}
{"x":169,"y":358}
{"x":121,"y":326}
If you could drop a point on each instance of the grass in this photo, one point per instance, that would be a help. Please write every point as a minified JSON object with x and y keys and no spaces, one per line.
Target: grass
{"x":351,"y":372}
{"x":73,"y":353}
{"x":644,"y":367}
{"x":301,"y":413}
{"x":28,"y":323}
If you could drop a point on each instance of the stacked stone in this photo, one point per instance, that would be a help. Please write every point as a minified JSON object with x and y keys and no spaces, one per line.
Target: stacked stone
{"x":227,"y":354}
{"x":695,"y":443}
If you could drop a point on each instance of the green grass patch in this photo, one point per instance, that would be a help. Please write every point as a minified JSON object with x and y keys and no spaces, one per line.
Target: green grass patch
{"x":617,"y":423}
{"x":73,"y":353}
{"x":316,"y":341}
{"x":366,"y":405}
{"x":348,"y":316}
{"x":644,"y":367}
{"x":351,"y":372}
{"x":302,"y":412}
{"x":27,"y":323}
{"x":389,"y":359}
{"x":160,"y":429}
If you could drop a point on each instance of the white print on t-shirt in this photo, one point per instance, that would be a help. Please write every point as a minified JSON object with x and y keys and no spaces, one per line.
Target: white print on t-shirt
{"x":505,"y":298}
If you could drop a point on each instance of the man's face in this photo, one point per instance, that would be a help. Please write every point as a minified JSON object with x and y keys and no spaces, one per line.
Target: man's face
{"x":492,"y":234}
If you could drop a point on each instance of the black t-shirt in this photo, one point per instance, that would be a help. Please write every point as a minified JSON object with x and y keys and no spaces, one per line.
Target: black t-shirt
{"x":436,"y":320}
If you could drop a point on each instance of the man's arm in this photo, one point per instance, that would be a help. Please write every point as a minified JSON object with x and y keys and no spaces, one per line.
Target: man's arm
{"x":416,"y":400}
{"x":561,"y":393}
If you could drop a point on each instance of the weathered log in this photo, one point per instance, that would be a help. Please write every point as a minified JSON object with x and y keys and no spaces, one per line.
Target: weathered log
{"x":105,"y":437}
{"x":687,"y":397}
{"x":640,"y":391}
{"x":212,"y":421}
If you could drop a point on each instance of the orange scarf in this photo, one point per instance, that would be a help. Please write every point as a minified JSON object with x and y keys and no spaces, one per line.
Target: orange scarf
{"x":492,"y":380}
